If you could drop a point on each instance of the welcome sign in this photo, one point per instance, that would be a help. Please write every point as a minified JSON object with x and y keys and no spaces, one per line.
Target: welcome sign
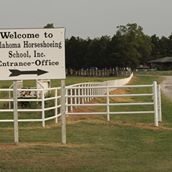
{"x":32,"y":54}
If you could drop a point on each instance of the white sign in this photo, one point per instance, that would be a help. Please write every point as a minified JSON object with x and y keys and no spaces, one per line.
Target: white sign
{"x":32,"y":54}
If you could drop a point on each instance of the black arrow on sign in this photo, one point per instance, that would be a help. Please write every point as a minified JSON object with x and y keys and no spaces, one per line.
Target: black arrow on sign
{"x":16,"y":72}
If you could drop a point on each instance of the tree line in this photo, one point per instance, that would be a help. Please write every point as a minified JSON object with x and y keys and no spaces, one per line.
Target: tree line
{"x":128,"y":47}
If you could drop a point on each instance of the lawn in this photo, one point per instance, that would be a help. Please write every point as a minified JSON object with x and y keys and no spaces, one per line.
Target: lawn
{"x":128,"y":143}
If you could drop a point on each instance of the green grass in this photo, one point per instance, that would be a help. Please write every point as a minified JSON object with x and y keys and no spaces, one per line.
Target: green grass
{"x":128,"y":143}
{"x":91,"y":147}
{"x":55,"y":83}
{"x":155,"y":73}
{"x":73,"y":80}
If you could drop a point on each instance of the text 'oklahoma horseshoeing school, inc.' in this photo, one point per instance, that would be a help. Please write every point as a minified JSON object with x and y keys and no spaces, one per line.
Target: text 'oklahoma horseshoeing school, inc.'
{"x":27,"y":44}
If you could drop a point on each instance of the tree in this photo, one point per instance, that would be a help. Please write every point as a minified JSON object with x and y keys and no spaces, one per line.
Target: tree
{"x":49,"y":25}
{"x":97,"y":52}
{"x":155,"y":47}
{"x":130,"y":46}
{"x":166,"y":46}
{"x":76,"y":50}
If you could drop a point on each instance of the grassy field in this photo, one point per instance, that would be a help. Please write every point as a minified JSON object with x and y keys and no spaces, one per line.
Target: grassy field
{"x":128,"y":143}
{"x":155,"y":73}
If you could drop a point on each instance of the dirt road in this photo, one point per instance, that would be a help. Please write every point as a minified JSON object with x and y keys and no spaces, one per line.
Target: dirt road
{"x":166,"y":87}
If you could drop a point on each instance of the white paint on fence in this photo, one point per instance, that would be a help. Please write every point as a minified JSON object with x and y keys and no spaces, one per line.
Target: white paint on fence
{"x":80,"y":95}
{"x":43,"y":101}
{"x":75,"y":98}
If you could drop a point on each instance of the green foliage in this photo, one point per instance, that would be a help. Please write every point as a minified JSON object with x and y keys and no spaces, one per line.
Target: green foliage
{"x":76,"y":50}
{"x":49,"y":25}
{"x":128,"y":47}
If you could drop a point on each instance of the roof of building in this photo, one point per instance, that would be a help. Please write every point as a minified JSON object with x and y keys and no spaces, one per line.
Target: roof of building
{"x":161,"y":60}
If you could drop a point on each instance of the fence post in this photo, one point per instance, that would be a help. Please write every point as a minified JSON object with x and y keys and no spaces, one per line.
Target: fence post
{"x":159,"y":104}
{"x":63,"y":114}
{"x":43,"y":108}
{"x":67,"y":101}
{"x":56,"y":104}
{"x":107,"y":101}
{"x":79,"y":93}
{"x":71,"y":99}
{"x":15,"y":115}
{"x":155,"y":92}
{"x":85,"y":93}
{"x":75,"y":98}
{"x":91,"y":91}
{"x":82,"y":94}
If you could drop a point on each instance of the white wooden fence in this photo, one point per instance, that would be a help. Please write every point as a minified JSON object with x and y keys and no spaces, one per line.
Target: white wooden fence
{"x":80,"y":96}
{"x":42,"y":105}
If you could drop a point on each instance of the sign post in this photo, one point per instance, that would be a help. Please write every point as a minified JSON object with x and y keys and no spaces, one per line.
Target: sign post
{"x":15,"y":116}
{"x":63,"y":115}
{"x":27,"y":54}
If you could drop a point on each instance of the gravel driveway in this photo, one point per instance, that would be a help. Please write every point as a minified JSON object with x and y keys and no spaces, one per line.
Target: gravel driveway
{"x":166,"y":87}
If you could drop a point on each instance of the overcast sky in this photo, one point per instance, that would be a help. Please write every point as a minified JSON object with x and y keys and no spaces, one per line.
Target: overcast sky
{"x":88,"y":18}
